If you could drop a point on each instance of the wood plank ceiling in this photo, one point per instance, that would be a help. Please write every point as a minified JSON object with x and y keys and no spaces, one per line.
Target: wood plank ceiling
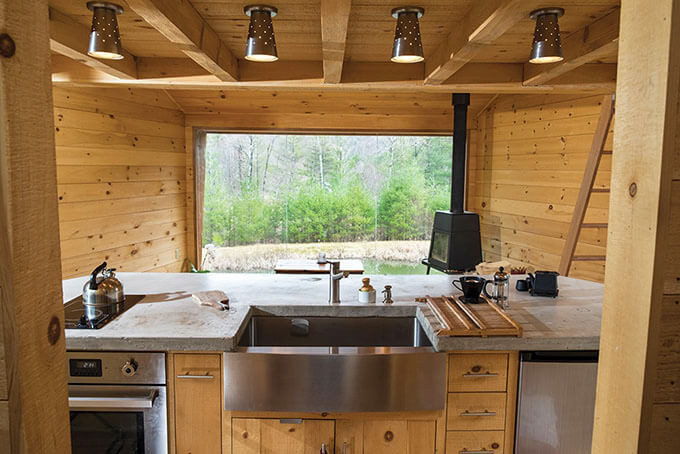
{"x":468,"y":45}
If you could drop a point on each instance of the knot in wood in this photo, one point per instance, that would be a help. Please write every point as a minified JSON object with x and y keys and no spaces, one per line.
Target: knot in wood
{"x":7,"y":46}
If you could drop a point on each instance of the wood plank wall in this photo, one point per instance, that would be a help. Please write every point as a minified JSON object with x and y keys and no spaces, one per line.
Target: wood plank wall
{"x":318,"y":111}
{"x":121,"y":166}
{"x":526,"y":164}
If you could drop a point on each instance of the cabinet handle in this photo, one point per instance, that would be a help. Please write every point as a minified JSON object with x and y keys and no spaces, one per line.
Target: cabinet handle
{"x":483,"y":451}
{"x":209,"y":377}
{"x":290,"y":421}
{"x":344,"y":447}
{"x":478,"y":413}
{"x":488,"y":374}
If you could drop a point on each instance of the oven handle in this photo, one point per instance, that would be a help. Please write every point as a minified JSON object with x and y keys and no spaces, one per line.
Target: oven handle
{"x":113,"y":402}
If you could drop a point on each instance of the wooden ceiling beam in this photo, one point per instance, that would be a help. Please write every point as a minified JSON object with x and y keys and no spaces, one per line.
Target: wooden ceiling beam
{"x":334,"y":22}
{"x":485,"y":23}
{"x":179,"y":22}
{"x":70,"y":38}
{"x":595,"y":41}
{"x":474,"y":78}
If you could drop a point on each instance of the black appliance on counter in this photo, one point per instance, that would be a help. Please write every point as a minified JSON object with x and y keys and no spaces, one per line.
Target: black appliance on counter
{"x":456,"y":243}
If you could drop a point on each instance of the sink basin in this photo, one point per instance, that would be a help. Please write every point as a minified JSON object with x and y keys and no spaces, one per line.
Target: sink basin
{"x":276,"y":331}
{"x":334,"y":364}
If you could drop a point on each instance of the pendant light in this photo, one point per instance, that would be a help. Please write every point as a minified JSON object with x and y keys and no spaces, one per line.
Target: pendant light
{"x":547,"y":45}
{"x":261,"y":44}
{"x":104,"y":35}
{"x":408,"y":47}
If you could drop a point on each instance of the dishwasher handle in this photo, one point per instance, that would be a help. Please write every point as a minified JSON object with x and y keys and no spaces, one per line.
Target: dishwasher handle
{"x":586,"y":356}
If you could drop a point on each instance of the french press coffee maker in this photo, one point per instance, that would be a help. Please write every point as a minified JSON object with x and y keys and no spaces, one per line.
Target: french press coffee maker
{"x":500,"y":288}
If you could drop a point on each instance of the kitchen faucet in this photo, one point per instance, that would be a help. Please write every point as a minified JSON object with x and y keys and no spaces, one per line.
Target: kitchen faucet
{"x":334,"y":281}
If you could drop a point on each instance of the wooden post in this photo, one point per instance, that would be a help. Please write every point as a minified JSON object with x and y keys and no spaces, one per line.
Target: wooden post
{"x":638,"y":390}
{"x":33,"y":394}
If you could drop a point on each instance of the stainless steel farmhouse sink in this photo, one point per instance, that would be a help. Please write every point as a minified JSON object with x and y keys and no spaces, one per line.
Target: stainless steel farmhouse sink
{"x":277,"y":331}
{"x":334,"y":364}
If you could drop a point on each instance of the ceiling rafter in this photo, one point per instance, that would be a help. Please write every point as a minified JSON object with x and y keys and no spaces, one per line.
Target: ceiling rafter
{"x":474,"y":78}
{"x":179,"y":22}
{"x":593,"y":42}
{"x":334,"y":22}
{"x":70,"y":38}
{"x":485,"y":23}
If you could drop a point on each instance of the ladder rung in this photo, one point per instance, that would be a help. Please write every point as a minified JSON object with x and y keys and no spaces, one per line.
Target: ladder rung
{"x":594,"y":225}
{"x":589,"y":258}
{"x":606,"y":151}
{"x":605,"y":190}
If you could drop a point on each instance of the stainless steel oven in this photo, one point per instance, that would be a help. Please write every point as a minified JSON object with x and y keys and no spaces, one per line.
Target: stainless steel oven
{"x":117,"y":402}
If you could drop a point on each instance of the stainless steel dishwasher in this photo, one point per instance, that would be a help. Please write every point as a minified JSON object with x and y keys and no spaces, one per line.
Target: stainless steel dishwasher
{"x":556,"y":402}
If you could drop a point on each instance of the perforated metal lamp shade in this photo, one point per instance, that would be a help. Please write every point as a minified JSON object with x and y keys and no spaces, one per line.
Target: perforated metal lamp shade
{"x":547,"y":45}
{"x":408,"y":46}
{"x":261,"y":44}
{"x":104,"y":34}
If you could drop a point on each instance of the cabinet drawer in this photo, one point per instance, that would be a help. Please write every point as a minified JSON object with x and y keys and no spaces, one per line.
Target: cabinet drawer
{"x":476,"y":411}
{"x":479,"y":372}
{"x":198,"y":403}
{"x":469,"y":442}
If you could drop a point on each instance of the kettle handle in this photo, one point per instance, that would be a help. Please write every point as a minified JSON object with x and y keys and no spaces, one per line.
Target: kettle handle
{"x":93,"y":276}
{"x":486,"y":282}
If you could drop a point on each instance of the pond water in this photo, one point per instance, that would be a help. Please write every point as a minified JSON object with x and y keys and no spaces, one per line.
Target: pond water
{"x":372,"y":266}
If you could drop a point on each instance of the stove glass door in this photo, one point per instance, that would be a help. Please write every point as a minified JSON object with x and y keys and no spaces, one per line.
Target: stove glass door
{"x":107,"y":432}
{"x":120,"y":419}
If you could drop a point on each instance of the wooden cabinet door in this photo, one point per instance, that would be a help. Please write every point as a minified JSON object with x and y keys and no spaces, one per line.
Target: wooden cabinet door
{"x":274,"y":436}
{"x":198,"y":403}
{"x":385,"y":437}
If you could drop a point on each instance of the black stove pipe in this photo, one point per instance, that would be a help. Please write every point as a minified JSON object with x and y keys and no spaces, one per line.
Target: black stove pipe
{"x":460,"y":102}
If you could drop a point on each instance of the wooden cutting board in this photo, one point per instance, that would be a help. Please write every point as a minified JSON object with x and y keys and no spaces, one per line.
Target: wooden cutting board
{"x":483,"y":320}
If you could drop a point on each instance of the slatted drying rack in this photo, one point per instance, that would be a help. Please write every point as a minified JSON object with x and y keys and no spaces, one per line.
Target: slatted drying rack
{"x":484,"y":319}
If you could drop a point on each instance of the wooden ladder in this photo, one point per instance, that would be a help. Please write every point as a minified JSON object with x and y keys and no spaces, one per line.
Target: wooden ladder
{"x":596,"y":152}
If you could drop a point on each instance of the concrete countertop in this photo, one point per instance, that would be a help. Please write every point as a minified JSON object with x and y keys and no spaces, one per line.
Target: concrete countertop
{"x":168,"y":319}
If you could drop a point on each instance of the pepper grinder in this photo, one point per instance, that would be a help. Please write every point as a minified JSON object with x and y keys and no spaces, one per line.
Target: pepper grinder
{"x":388,"y":295}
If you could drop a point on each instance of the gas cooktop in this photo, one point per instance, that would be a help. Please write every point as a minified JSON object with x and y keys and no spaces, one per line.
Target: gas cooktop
{"x":75,"y":313}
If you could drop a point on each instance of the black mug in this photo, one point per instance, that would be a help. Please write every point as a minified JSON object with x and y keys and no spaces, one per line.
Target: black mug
{"x":471,"y":286}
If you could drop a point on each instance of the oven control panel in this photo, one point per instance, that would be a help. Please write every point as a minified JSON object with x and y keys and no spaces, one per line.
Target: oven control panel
{"x":85,"y":367}
{"x":116,"y":367}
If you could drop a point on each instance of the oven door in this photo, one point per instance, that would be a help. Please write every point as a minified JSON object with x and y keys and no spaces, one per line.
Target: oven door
{"x":118,"y":419}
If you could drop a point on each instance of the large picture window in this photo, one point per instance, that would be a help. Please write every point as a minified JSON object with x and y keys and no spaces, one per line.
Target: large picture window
{"x":269,"y":197}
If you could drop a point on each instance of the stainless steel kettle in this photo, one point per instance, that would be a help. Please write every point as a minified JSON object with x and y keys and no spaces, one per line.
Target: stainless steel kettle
{"x":102,"y":292}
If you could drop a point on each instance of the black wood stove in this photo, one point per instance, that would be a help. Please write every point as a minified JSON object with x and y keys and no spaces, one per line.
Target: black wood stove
{"x":456,"y":243}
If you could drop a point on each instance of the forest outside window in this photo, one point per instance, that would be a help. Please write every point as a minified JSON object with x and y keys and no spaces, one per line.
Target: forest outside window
{"x":268,"y":197}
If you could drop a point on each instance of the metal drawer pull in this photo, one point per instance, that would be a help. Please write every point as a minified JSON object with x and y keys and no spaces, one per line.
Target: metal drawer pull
{"x":478,"y":413}
{"x":488,"y":374}
{"x":112,"y":402}
{"x":344,"y":447}
{"x":290,"y":421}
{"x":476,"y":452}
{"x":210,"y":377}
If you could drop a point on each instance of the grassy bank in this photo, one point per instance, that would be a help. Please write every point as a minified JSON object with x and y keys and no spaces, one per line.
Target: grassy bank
{"x":263,"y":257}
